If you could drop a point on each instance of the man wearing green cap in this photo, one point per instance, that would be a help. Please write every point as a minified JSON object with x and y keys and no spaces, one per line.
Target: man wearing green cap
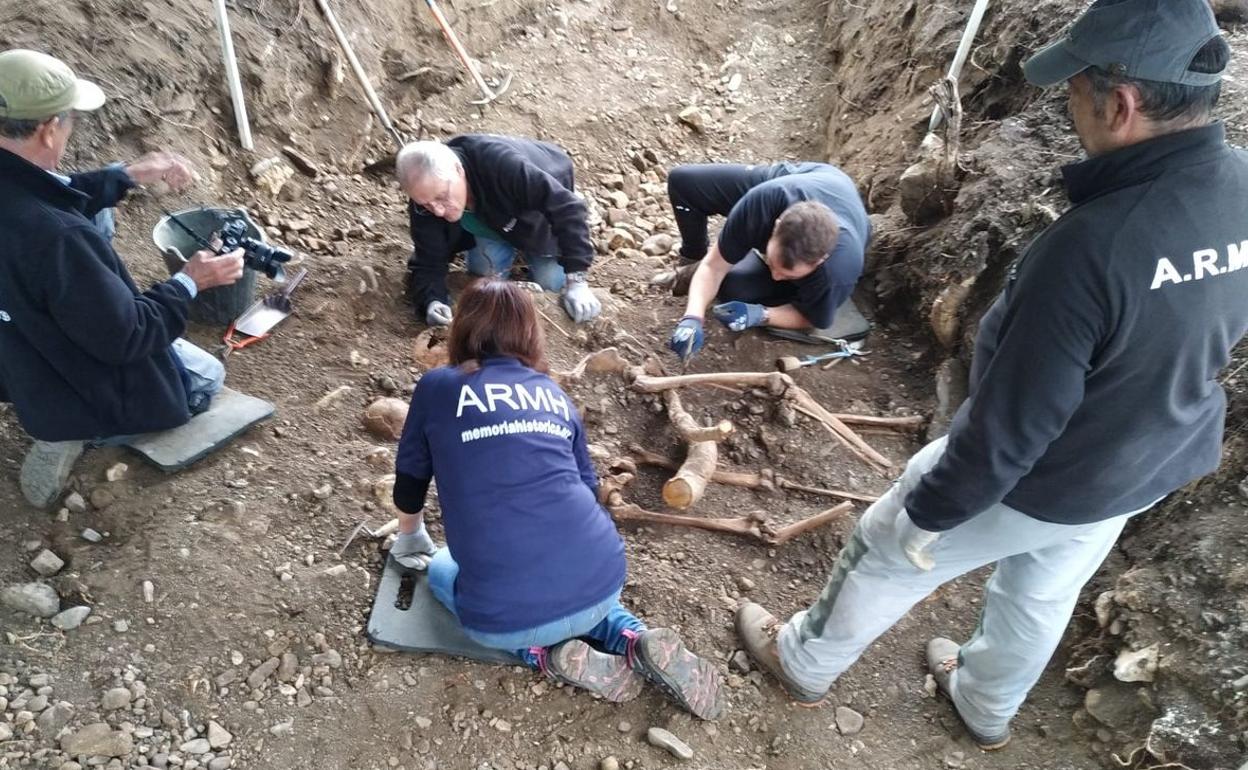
{"x":84,"y":355}
{"x":1094,"y":385}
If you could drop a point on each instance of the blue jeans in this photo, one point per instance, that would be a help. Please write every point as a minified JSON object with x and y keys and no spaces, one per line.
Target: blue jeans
{"x":490,"y":257}
{"x":205,"y":377}
{"x":605,"y":622}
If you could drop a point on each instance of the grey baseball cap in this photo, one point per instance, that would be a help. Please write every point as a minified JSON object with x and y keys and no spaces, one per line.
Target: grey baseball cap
{"x":1140,"y":39}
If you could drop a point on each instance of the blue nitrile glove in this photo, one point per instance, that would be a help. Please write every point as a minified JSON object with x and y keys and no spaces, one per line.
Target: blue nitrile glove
{"x":579,"y":299}
{"x":686,"y":339}
{"x":414,"y":549}
{"x":739,"y":316}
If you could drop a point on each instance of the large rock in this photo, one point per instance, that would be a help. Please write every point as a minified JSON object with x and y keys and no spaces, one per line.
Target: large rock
{"x":38,"y":599}
{"x":71,"y":618}
{"x":1118,"y":705}
{"x":384,"y":418}
{"x":47,"y":563}
{"x":53,"y":719}
{"x":97,"y":740}
{"x":848,"y":721}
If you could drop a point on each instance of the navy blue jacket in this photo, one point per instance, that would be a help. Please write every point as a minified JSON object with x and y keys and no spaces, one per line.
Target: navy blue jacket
{"x":83,"y":353}
{"x":1094,"y":386}
{"x":523,"y":190}
{"x":765,"y":194}
{"x":518,"y":495}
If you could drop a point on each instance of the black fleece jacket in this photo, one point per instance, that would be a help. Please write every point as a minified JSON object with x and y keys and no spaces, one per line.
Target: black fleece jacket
{"x":522,"y":189}
{"x":1094,"y":386}
{"x":83,"y":353}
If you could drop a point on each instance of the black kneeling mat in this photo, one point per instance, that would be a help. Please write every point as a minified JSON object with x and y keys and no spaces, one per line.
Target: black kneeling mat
{"x":849,"y":325}
{"x":406,"y":616}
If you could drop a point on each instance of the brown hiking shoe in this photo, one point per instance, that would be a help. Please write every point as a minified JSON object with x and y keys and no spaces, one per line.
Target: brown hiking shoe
{"x":609,"y":676}
{"x":942,"y":661}
{"x":758,"y":629}
{"x":659,"y":655}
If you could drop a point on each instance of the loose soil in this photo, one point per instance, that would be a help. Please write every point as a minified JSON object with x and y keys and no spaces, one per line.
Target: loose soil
{"x":237,"y":548}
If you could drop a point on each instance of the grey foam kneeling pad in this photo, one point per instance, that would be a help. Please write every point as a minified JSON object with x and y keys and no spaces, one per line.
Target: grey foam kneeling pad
{"x":425,"y":625}
{"x":849,"y":324}
{"x":230,"y":414}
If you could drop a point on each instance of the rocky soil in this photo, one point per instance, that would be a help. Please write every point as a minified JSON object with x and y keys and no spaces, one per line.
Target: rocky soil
{"x":213,"y":619}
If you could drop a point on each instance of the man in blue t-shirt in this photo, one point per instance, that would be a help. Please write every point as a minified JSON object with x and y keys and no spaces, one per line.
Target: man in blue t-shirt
{"x":789,"y":253}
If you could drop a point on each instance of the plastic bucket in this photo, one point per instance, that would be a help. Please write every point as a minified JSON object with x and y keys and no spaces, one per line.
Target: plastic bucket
{"x":212,"y":306}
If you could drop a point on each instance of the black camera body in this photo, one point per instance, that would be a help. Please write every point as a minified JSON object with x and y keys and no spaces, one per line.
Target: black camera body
{"x":258,"y":256}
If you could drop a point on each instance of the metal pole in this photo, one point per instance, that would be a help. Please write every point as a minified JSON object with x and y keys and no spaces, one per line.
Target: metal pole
{"x":231,"y":76}
{"x":959,"y":58}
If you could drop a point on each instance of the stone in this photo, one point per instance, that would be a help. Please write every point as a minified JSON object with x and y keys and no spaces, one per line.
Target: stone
{"x":116,"y":698}
{"x":734,"y":82}
{"x":609,"y":763}
{"x":384,"y":418}
{"x":624,"y":727}
{"x":263,"y":672}
{"x":75,"y":503}
{"x":620,"y":239}
{"x":616,"y":216}
{"x":97,"y":740}
{"x":6,"y":732}
{"x":424,"y":723}
{"x":617,"y":199}
{"x":692,"y":116}
{"x":665,"y":740}
{"x":102,"y":497}
{"x":218,"y":736}
{"x":121,"y":626}
{"x":1137,"y":665}
{"x":71,"y":618}
{"x":47,"y":563}
{"x":658,"y":245}
{"x":848,"y":721}
{"x":91,"y":536}
{"x":329,"y":658}
{"x":289,"y":668}
{"x":740,"y":662}
{"x":1115,"y":705}
{"x":37,"y":703}
{"x":38,"y":599}
{"x":117,"y":472}
{"x":221,"y":763}
{"x":196,"y":746}
{"x":271,"y":175}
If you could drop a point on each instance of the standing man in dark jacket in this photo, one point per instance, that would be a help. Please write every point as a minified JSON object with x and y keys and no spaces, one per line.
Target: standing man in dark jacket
{"x":1094,"y":387}
{"x":789,"y":253}
{"x":495,"y":196}
{"x":84,"y":356}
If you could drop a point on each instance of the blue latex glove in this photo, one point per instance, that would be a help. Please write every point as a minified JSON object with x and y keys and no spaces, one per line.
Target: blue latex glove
{"x":739,"y":316}
{"x":686,"y":339}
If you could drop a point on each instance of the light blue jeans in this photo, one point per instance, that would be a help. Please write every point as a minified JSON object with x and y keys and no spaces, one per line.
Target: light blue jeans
{"x":1028,"y":600}
{"x":490,"y":257}
{"x":605,"y":622}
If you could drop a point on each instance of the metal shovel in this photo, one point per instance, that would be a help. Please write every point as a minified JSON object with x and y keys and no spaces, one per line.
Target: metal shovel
{"x":258,"y":320}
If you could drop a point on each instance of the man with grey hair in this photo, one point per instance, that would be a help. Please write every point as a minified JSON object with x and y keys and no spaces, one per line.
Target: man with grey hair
{"x":495,"y":197}
{"x":1094,"y":386}
{"x":85,"y":357}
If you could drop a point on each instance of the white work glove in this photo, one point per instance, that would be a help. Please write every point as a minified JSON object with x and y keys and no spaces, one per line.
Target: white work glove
{"x":915,"y":541}
{"x":438,"y":314}
{"x":579,"y":299}
{"x":414,"y":549}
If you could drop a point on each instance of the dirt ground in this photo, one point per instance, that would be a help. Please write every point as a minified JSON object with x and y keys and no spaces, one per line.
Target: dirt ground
{"x":241,"y":550}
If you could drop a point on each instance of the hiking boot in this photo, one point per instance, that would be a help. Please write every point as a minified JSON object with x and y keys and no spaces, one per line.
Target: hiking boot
{"x":575,"y":662}
{"x":659,"y":655}
{"x":758,"y":630}
{"x":46,"y":469}
{"x":942,"y":661}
